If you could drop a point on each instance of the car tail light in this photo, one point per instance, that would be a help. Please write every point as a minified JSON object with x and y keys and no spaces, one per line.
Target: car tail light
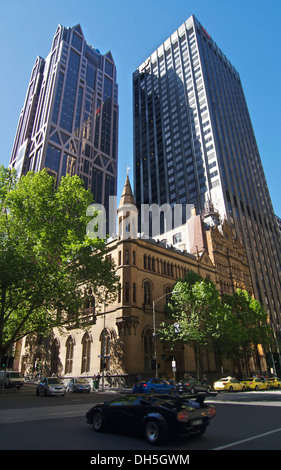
{"x":144,"y":385}
{"x":182,"y":416}
{"x":211,"y":412}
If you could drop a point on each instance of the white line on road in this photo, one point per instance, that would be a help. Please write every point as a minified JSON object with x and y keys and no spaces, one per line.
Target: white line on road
{"x":36,"y":414}
{"x":258,"y":436}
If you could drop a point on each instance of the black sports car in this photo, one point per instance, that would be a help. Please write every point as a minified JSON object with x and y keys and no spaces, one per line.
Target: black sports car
{"x":155,"y":416}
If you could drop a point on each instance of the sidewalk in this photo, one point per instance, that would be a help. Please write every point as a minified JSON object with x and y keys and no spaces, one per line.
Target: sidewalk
{"x":108,"y":389}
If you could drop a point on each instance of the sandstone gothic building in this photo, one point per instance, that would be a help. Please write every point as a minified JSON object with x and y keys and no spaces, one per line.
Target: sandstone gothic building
{"x":119,"y":341}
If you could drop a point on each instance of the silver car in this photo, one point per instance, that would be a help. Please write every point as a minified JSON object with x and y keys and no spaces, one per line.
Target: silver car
{"x":79,"y":385}
{"x":51,"y":386}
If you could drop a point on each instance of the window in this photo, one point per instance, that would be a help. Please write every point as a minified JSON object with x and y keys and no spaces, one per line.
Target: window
{"x":134,"y":292}
{"x":55,"y":356}
{"x":52,"y":158}
{"x":147,"y":293}
{"x":177,"y":238}
{"x":127,"y":292}
{"x":168,"y":292}
{"x":69,"y":355}
{"x":86,"y":353}
{"x":90,"y":304}
{"x":105,"y":350}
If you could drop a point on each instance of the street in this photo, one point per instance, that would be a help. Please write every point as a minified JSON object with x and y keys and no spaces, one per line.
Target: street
{"x":244,"y":421}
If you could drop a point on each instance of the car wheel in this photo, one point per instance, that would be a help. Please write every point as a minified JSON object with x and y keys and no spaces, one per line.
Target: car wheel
{"x":154,"y":433}
{"x":256,"y":388}
{"x":37,"y":391}
{"x":172,"y":391}
{"x":230,"y":389}
{"x":98,"y":422}
{"x":152,"y":391}
{"x":192,"y":391}
{"x":208,"y":390}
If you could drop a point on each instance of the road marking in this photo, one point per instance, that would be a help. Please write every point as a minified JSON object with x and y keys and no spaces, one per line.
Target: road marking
{"x":34,"y":414}
{"x":258,"y":436}
{"x":248,"y":403}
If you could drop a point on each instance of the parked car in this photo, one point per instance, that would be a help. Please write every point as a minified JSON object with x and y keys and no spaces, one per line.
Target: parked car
{"x":11,"y":379}
{"x":155,"y":417}
{"x":274,"y":382}
{"x":254,"y":383}
{"x":153,"y":386}
{"x":79,"y":385}
{"x":192,"y":386}
{"x":51,"y":386}
{"x":229,"y":383}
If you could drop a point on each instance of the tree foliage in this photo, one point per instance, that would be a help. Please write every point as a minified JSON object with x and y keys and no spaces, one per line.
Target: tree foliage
{"x":245,"y":326}
{"x":194,"y":309}
{"x":233,"y":326}
{"x":47,"y":263}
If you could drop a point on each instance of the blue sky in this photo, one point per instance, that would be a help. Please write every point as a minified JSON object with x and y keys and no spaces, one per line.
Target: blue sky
{"x":247,"y":31}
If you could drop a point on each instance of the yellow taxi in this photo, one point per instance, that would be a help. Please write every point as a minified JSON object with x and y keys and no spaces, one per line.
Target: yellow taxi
{"x":254,"y":383}
{"x":229,"y":383}
{"x":274,"y":382}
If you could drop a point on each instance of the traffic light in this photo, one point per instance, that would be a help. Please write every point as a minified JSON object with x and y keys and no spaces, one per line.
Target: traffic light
{"x":3,"y":362}
{"x":7,"y":362}
{"x":153,"y":363}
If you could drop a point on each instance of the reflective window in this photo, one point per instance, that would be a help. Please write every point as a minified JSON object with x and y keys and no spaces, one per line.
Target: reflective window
{"x":67,"y":111}
{"x":52,"y":158}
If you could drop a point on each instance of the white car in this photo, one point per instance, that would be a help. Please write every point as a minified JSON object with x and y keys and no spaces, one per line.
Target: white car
{"x":51,"y":386}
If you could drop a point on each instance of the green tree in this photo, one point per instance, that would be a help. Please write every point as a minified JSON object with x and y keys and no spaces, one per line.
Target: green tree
{"x":245,"y":327}
{"x":194,"y":314}
{"x":47,"y":263}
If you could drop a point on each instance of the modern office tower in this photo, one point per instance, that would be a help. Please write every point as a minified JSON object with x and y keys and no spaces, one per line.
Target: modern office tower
{"x":194,"y":143}
{"x":69,"y":122}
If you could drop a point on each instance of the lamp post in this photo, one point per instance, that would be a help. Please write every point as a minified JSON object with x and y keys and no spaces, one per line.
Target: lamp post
{"x":154,"y":302}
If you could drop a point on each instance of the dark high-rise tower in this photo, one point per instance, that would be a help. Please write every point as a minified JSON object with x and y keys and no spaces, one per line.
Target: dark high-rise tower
{"x":194,"y":143}
{"x":69,"y":122}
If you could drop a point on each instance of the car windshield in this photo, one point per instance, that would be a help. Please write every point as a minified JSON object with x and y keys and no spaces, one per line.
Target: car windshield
{"x":81,"y":381}
{"x":54,"y":380}
{"x":126,"y":400}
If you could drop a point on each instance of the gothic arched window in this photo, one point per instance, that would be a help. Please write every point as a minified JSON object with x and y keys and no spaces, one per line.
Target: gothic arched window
{"x":69,"y":354}
{"x":86,"y":353}
{"x":147,"y":298}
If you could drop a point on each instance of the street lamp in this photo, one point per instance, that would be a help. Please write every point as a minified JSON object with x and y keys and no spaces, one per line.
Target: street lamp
{"x":154,"y":302}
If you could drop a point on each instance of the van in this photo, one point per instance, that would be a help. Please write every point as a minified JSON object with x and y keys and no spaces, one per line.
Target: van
{"x":12,"y":379}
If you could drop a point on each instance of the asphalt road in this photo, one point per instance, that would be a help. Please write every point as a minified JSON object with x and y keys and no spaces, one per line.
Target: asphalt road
{"x":244,"y":421}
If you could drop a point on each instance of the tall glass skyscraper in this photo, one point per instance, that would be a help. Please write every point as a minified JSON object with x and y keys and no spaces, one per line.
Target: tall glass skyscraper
{"x":194,"y":143}
{"x":69,"y":122}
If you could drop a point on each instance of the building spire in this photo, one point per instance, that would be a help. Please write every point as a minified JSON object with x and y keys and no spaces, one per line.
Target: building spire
{"x":127,"y":196}
{"x":127,"y":213}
